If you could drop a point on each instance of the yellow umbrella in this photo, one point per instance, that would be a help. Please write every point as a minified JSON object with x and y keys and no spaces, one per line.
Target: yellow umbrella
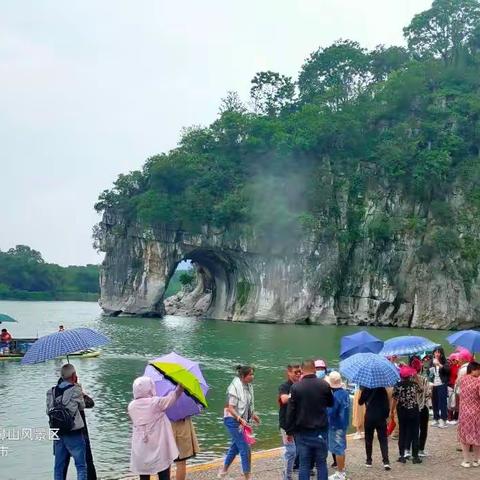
{"x":179,"y":375}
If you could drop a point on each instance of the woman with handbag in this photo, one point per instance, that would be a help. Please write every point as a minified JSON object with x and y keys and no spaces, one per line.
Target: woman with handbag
{"x":238,"y":413}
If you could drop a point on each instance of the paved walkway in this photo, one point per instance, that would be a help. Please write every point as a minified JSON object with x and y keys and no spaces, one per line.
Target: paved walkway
{"x":442,"y":463}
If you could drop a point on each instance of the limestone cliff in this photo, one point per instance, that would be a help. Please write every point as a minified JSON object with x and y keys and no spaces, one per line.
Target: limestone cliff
{"x":317,"y":281}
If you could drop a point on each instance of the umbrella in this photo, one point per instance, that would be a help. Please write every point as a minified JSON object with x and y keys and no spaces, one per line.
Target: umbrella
{"x":360,"y":342}
{"x":369,"y":370}
{"x":180,"y":375}
{"x":6,"y":318}
{"x":407,"y":345}
{"x":61,"y":344}
{"x":469,"y":339}
{"x":185,"y":406}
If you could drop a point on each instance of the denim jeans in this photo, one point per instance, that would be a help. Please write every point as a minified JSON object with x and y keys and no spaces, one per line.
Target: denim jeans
{"x":72,"y":444}
{"x":238,"y":446}
{"x":439,"y":402}
{"x":312,"y":446}
{"x":288,"y":456}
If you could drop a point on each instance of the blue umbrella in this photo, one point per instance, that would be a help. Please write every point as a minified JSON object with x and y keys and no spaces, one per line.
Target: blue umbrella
{"x":360,"y":342}
{"x":407,"y":345}
{"x":64,"y":343}
{"x":469,"y":339}
{"x":369,"y":370}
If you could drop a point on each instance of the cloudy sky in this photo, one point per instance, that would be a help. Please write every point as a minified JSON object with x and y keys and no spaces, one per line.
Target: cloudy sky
{"x":90,"y":89}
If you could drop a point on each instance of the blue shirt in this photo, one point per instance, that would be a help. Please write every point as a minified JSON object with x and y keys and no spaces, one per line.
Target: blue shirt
{"x":339,"y":414}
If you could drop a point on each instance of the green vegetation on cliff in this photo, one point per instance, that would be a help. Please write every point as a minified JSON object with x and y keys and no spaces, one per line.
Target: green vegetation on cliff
{"x":24,"y":275}
{"x":398,"y":122}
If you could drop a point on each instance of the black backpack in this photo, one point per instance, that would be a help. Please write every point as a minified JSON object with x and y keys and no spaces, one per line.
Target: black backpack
{"x":59,"y":417}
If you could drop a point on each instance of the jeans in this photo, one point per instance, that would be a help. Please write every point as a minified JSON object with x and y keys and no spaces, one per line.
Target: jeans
{"x":439,"y":402}
{"x":288,"y":456}
{"x":424,"y":418}
{"x":312,"y":446}
{"x":238,"y":446}
{"x":381,"y":428}
{"x":71,"y":444}
{"x":409,"y":421}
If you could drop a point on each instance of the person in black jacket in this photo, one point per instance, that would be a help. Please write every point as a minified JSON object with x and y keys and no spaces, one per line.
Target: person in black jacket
{"x":307,"y":420}
{"x":376,"y":413}
{"x":439,"y":376}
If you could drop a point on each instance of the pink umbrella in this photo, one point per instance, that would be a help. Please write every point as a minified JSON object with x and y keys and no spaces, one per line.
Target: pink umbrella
{"x":185,"y":406}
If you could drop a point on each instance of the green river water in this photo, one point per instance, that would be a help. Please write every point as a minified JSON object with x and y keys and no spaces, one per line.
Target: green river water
{"x":217,"y":345}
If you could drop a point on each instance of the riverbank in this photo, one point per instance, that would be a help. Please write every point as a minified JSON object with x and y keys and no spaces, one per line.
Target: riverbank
{"x":443,"y":462}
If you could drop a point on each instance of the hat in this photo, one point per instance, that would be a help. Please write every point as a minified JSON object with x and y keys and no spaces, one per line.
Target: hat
{"x":335,"y":380}
{"x":406,"y":371}
{"x":320,"y":364}
{"x":464,"y":355}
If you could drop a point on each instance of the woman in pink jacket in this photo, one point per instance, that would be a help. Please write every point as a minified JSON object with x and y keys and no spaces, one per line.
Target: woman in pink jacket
{"x":153,"y":445}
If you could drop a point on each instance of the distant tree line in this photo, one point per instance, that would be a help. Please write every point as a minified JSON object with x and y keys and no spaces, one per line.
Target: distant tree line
{"x":24,"y":275}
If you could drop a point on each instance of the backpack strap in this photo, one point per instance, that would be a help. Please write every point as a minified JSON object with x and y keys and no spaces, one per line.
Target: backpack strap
{"x":56,"y":390}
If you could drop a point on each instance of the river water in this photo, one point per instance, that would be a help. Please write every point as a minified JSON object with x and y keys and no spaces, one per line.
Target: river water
{"x":217,"y":345}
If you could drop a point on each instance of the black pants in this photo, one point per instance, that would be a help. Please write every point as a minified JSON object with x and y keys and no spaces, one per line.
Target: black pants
{"x":439,"y":402}
{"x":165,"y":475}
{"x":408,"y":428}
{"x":424,"y":418}
{"x":381,"y":428}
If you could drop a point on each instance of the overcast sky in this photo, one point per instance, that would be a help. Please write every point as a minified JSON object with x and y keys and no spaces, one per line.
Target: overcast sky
{"x":90,"y":89}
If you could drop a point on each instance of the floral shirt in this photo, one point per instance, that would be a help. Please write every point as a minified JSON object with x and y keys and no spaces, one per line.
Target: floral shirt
{"x":405,"y":392}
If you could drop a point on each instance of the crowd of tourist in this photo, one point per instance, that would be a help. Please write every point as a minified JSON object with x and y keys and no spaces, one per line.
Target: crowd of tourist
{"x":314,"y":418}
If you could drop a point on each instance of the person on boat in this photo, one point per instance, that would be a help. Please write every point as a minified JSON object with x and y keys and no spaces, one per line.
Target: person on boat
{"x":5,"y":339}
{"x":68,"y":396}
{"x":61,"y":328}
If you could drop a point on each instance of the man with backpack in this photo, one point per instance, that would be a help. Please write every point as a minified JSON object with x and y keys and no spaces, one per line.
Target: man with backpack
{"x":64,"y":403}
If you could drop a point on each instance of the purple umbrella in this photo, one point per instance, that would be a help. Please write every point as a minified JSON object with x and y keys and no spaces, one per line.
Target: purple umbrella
{"x":185,"y":406}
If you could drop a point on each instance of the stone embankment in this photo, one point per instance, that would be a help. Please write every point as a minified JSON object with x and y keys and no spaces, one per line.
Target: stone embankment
{"x":443,"y":462}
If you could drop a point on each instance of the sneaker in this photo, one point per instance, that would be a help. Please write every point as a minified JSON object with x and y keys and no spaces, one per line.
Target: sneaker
{"x":434,"y":423}
{"x":368,"y":464}
{"x":442,"y":424}
{"x":475,"y":464}
{"x":387,"y":467}
{"x":452,"y":422}
{"x":358,"y":436}
{"x":222,"y":474}
{"x":407,"y":454}
{"x":416,"y":460}
{"x":422,"y":453}
{"x":465,"y":464}
{"x":402,"y":460}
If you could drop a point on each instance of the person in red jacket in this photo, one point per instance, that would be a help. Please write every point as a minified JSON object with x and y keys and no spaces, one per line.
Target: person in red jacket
{"x":5,"y":339}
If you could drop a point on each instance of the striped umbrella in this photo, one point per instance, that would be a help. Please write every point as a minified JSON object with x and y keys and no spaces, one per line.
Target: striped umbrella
{"x":62,"y":344}
{"x":369,"y":370}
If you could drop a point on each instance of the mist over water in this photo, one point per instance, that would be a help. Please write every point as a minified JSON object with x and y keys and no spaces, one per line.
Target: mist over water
{"x":217,"y":345}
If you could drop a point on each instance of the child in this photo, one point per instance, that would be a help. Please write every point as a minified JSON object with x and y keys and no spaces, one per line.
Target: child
{"x":153,"y":445}
{"x":338,"y":419}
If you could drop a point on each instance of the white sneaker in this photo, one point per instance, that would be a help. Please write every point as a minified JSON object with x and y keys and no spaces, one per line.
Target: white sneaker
{"x":465,"y":464}
{"x":452,"y":422}
{"x":407,"y":454}
{"x":357,"y":436}
{"x":442,"y":424}
{"x":475,"y":464}
{"x":337,"y":476}
{"x":222,"y":474}
{"x":434,"y":423}
{"x":422,"y":453}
